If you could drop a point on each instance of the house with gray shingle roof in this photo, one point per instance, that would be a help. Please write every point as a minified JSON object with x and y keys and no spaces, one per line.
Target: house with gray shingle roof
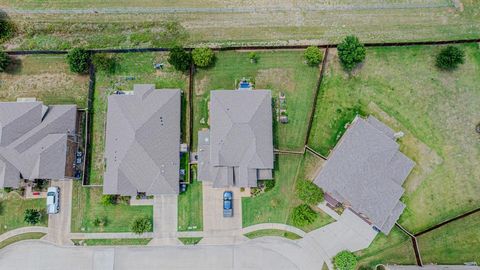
{"x":142,"y":151}
{"x":238,"y":148}
{"x":365,"y":172}
{"x":33,"y":141}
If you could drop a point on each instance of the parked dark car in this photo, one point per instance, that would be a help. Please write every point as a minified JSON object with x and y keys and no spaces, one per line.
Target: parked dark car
{"x":227,"y":204}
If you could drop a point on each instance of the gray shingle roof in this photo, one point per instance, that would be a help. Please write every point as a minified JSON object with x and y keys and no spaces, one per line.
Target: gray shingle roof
{"x":33,"y":141}
{"x":366,"y":170}
{"x":143,"y":142}
{"x":240,"y":141}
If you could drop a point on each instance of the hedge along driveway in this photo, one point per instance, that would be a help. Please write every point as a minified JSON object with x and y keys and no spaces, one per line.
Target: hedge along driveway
{"x":279,"y":71}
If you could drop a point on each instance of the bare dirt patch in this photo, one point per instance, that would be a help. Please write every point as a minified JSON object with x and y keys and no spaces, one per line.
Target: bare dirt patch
{"x":201,"y":86}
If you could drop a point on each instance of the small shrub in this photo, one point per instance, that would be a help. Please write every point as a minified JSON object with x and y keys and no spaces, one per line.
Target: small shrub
{"x":309,"y":193}
{"x":351,"y":52}
{"x":313,"y":56}
{"x":32,"y":216}
{"x":450,"y":58}
{"x":108,"y":200}
{"x":179,"y":58}
{"x":78,"y":60}
{"x":253,"y":56}
{"x":345,"y":260}
{"x":7,"y":28}
{"x":141,"y":225}
{"x":105,"y":62}
{"x":303,"y":215}
{"x":100,"y":221}
{"x":5,"y":60}
{"x":269,"y":185}
{"x":203,"y":57}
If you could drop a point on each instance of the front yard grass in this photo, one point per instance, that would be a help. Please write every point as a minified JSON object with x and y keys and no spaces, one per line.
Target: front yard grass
{"x":21,"y":237}
{"x":190,"y":208}
{"x":455,"y":243}
{"x":273,"y":232}
{"x":279,"y":71}
{"x":275,"y":206}
{"x":113,"y":242}
{"x":45,"y":77}
{"x":437,"y":110}
{"x":396,"y":248}
{"x":86,"y":206}
{"x":12,"y":208}
{"x":132,"y":68}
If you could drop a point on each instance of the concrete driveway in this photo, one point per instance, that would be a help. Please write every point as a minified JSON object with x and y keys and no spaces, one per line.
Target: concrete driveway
{"x":59,"y":224}
{"x":213,"y":220}
{"x":267,"y":253}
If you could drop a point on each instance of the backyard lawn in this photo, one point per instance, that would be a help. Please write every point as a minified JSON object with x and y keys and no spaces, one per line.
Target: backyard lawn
{"x":395,"y":249}
{"x":12,"y":208}
{"x":45,"y":77}
{"x":280,"y":71}
{"x":190,"y":208}
{"x":437,"y":111}
{"x":275,"y":206}
{"x":455,"y":243}
{"x":86,"y":206}
{"x":131,"y":68}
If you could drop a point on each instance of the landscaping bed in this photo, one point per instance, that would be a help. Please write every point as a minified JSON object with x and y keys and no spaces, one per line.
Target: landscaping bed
{"x":87,"y":206}
{"x":112,"y":242}
{"x":279,"y":71}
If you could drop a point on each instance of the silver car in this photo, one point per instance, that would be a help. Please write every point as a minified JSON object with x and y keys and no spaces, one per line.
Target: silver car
{"x":53,"y":200}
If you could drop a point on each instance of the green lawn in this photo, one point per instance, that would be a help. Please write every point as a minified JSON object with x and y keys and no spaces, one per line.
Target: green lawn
{"x":396,"y":248}
{"x":272,"y":232}
{"x":190,"y":240}
{"x":276,"y":205}
{"x":21,"y":237}
{"x":438,"y":112}
{"x":45,"y":77}
{"x":280,"y":71}
{"x":190,"y":208}
{"x":139,"y":66}
{"x":86,"y":207}
{"x":114,"y":242}
{"x":12,"y":208}
{"x":455,"y":243}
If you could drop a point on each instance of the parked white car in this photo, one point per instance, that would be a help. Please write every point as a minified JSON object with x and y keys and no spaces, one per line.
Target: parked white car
{"x":53,"y":198}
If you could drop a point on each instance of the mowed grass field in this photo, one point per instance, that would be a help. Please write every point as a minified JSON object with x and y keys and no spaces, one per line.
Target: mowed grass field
{"x":279,"y":71}
{"x":86,"y":206}
{"x":275,"y":206}
{"x":45,"y":77}
{"x":254,"y":22}
{"x":190,"y":208}
{"x":455,"y":243}
{"x":131,"y":68}
{"x":12,"y":209}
